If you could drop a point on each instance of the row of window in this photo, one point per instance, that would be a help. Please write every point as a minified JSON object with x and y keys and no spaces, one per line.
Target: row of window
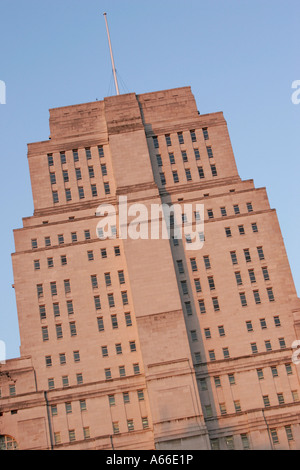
{"x":188,"y":174}
{"x":223,"y":210}
{"x":217,"y":443}
{"x":225,"y":350}
{"x":81,"y":194}
{"x":78,"y":174}
{"x":74,"y":239}
{"x":184,"y":156}
{"x":75,"y":153}
{"x":72,"y":324}
{"x":180,"y":137}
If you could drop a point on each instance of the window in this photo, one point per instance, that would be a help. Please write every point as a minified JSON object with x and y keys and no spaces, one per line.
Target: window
{"x":175,"y":177}
{"x":211,"y":283}
{"x":180,"y":137}
{"x":88,"y":153}
{"x":198,"y":360}
{"x":241,"y":229}
{"x":194,"y":336}
{"x":216,"y":305}
{"x":81,"y":192}
{"x":40,"y":291}
{"x":210,"y":213}
{"x":217,"y":381}
{"x":254,"y":348}
{"x":197,"y":285}
{"x":249,"y":326}
{"x":206,"y":262}
{"x":75,"y":156}
{"x":188,"y":308}
{"x":223,"y":211}
{"x":226,"y":353}
{"x":202,"y":306}
{"x":104,"y":351}
{"x":50,"y":263}
{"x":263,"y":323}
{"x":221,"y":330}
{"x":193,"y":135}
{"x":94,"y":281}
{"x":42,"y":309}
{"x":67,"y":286}
{"x":68,"y":194}
{"x":51,"y":384}
{"x":266,"y":400}
{"x":114,"y":322}
{"x":180,"y":266}
{"x":256,"y":296}
{"x":260,"y":253}
{"x":236,"y":209}
{"x":78,"y":174}
{"x":168,"y":140}
{"x":249,"y":207}
{"x":136,"y":369}
{"x":260,"y":374}
{"x":130,"y":425}
{"x":223,"y":410}
{"x":65,"y":176}
{"x":73,"y":330}
{"x":97,"y":302}
{"x":63,"y":260}
{"x":270,"y":294}
{"x":188,"y":175}
{"x":59,"y":332}
{"x":106,"y":188}
{"x":201,"y":172}
{"x":172,"y":158}
{"x":126,"y":398}
{"x":107,"y":279}
{"x":205,"y":133}
{"x":50,"y":159}
{"x":254,"y":227}
{"x":289,"y":433}
{"x":282,"y":344}
{"x":238,"y":278}
{"x":212,"y":355}
{"x":124,"y":298}
{"x":55,"y":197}
{"x":274,"y":436}
{"x":53,"y":288}
{"x":197,"y":154}
{"x":121,"y":277}
{"x":52,"y":178}
{"x":116,"y":428}
{"x":100,"y":151}
{"x":65,"y":381}
{"x":36,"y":264}
{"x":76,"y":356}
{"x":74,"y":237}
{"x":128,"y":320}
{"x":231,"y":379}
{"x":90,"y":255}
{"x":63,"y":158}
{"x":184,"y":156}
{"x":207,"y":333}
{"x":184,"y":287}
{"x":70,"y":308}
{"x":12,"y":390}
{"x":107,"y":373}
{"x":233,"y":257}
{"x":209,"y":152}
{"x":159,"y":160}
{"x":118,"y":347}
{"x":132,"y":346}
{"x":268,"y":345}
{"x":247,"y":255}
{"x":94,"y":190}
{"x":56,"y":310}
{"x":251,"y":275}
{"x":274,"y":371}
{"x":243,"y":299}
{"x":228,"y":231}
{"x":100,"y":324}
{"x":237,"y":406}
{"x":265,"y":273}
{"x":277,"y":321}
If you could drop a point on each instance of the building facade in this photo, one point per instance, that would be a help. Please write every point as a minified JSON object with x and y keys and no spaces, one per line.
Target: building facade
{"x":143,"y":342}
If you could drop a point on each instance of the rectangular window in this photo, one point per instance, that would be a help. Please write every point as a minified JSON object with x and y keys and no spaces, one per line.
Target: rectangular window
{"x":56,"y":310}
{"x":260,"y":374}
{"x":124,"y":298}
{"x":254,"y":227}
{"x":59,"y":332}
{"x":81,"y":192}
{"x":193,"y":136}
{"x":216,"y":305}
{"x":65,"y":176}
{"x":254,"y":348}
{"x":45,"y":335}
{"x":184,"y":156}
{"x":50,"y":159}
{"x":241,"y":229}
{"x":202,"y":306}
{"x":104,"y":170}
{"x":111,"y":300}
{"x":238,"y":278}
{"x":175,"y":177}
{"x":128,"y":320}
{"x":211,"y":283}
{"x":63,"y":158}
{"x":201,"y":172}
{"x":114,"y":322}
{"x":194,"y":336}
{"x":188,"y":175}
{"x":260,"y":253}
{"x":247,"y":255}
{"x":265,"y":274}
{"x":53,"y":288}
{"x":233,"y":257}
{"x":180,"y":137}
{"x":159,"y":160}
{"x":252,"y":275}
{"x":100,"y":324}
{"x":106,"y":188}
{"x":197,"y":285}
{"x":270,"y":294}
{"x":97,"y":302}
{"x":94,"y":281}
{"x":75,"y":156}
{"x":107,"y":279}
{"x":256,"y":296}
{"x":168,"y":140}
{"x":206,"y":262}
{"x":209,"y":152}
{"x":136,"y":369}
{"x":55,"y":197}
{"x":94,"y":190}
{"x":243,"y":299}
{"x":121,"y":277}
{"x":100,"y":151}
{"x":78,"y":174}
{"x":73,"y":330}
{"x":172,"y":158}
{"x":52,"y":178}
{"x":249,"y":326}
{"x":67,"y":286}
{"x":88,"y":153}
{"x":70,"y":308}
{"x":107,"y":373}
{"x":205,"y":133}
{"x":42,"y":309}
{"x":197,"y":154}
{"x":236,"y":209}
{"x":249,"y":207}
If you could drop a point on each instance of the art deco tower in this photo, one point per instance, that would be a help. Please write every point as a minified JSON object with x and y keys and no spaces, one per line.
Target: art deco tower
{"x":143,"y":343}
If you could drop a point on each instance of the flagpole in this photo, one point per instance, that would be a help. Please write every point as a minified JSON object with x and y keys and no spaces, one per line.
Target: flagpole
{"x":111,"y":56}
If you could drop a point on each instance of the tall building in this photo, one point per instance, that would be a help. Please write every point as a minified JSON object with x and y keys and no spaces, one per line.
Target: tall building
{"x":143,"y":342}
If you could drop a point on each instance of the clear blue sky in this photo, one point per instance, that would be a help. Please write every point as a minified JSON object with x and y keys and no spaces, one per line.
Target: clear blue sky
{"x":239,"y":57}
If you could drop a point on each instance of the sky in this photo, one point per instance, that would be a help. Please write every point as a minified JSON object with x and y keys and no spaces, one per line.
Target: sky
{"x":240,"y":57}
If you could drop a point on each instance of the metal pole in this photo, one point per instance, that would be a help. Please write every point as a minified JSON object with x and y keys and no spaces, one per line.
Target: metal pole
{"x":111,"y":56}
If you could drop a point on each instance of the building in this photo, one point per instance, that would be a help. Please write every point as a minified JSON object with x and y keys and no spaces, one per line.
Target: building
{"x":144,"y":343}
